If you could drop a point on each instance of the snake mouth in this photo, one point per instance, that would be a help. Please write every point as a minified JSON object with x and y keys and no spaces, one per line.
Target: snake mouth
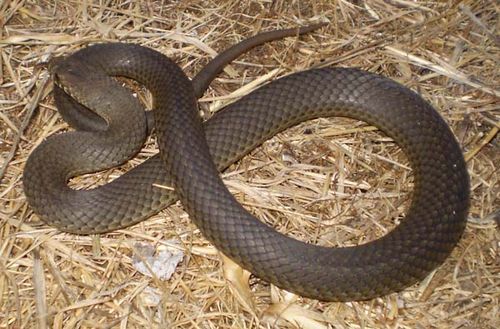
{"x":59,"y":78}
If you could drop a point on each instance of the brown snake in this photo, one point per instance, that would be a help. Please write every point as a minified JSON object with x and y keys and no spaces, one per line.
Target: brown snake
{"x":192,"y":153}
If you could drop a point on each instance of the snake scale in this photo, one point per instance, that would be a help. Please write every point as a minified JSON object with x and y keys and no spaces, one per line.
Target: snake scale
{"x":111,"y":127}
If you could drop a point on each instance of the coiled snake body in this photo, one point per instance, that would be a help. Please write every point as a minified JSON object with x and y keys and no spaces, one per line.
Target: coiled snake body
{"x":192,"y":153}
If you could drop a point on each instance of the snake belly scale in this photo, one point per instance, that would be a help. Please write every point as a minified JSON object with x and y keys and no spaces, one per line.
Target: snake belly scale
{"x":193,"y":152}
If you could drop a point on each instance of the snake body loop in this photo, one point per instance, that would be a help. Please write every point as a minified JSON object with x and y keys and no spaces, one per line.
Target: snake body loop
{"x":193,"y":152}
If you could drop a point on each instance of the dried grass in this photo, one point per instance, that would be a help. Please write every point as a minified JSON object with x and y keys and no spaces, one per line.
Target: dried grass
{"x":331,"y":182}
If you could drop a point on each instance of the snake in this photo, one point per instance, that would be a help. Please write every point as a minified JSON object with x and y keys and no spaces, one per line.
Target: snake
{"x":110,"y":127}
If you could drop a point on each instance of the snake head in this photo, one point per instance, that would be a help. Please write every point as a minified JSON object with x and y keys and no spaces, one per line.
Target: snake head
{"x":82,"y":81}
{"x":68,"y":74}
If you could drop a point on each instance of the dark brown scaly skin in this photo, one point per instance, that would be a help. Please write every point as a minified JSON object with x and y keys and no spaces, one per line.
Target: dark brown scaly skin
{"x":192,"y":153}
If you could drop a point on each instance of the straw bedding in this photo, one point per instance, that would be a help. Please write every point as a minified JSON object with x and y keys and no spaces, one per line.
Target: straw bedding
{"x":334,"y":182}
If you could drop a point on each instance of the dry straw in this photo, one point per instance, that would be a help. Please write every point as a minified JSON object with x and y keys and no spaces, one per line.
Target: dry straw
{"x":331,"y":182}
